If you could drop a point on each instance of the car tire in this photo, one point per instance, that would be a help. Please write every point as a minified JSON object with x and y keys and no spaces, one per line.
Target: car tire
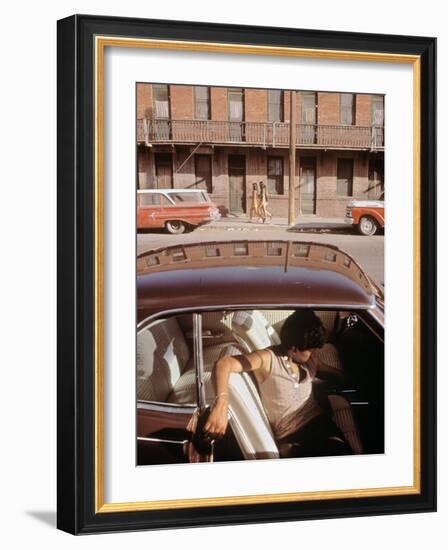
{"x":175,"y":227}
{"x":367,"y":226}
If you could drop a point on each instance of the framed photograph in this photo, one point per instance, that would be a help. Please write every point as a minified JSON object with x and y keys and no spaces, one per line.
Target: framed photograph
{"x":246,"y":274}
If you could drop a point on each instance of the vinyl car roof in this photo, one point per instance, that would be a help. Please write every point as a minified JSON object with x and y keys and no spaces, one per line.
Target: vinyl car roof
{"x":253,"y":273}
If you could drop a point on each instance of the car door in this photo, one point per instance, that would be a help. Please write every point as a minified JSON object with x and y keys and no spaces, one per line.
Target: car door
{"x":151,"y":210}
{"x":162,"y":433}
{"x":170,"y":395}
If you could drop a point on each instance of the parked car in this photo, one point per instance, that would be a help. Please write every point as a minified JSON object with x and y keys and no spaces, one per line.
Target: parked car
{"x":366,"y":215}
{"x":176,"y":210}
{"x":199,"y":302}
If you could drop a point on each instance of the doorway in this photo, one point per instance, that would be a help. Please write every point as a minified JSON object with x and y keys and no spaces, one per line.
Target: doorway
{"x":308,"y":185}
{"x":376,"y":178}
{"x":164,"y":171}
{"x":237,"y":184}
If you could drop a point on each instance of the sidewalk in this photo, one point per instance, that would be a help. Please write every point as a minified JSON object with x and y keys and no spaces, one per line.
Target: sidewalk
{"x":303,"y":223}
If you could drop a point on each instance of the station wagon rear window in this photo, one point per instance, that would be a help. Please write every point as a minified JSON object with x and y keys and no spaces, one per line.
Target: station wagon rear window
{"x":188,"y":197}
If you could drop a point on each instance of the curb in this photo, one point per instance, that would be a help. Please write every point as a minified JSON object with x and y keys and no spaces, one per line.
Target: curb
{"x":298,"y":228}
{"x":245,"y":226}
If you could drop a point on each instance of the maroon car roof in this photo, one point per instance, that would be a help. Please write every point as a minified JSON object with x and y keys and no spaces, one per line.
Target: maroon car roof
{"x":252,"y":273}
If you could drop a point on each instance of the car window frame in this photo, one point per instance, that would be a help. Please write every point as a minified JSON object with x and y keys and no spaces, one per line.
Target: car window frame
{"x":197,"y":336}
{"x":162,"y":194}
{"x":144,"y":195}
{"x":372,"y":316}
{"x":157,"y":315}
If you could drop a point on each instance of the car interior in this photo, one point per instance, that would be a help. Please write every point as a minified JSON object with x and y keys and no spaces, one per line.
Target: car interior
{"x":353,"y":393}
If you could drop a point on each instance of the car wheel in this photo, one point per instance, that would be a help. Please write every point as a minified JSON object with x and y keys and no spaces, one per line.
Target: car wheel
{"x":175,"y":227}
{"x":367,"y":226}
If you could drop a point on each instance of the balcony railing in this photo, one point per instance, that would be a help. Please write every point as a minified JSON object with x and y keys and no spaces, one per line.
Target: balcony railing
{"x":265,"y":134}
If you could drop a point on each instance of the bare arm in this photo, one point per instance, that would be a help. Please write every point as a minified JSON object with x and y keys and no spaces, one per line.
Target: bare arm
{"x":216,"y":424}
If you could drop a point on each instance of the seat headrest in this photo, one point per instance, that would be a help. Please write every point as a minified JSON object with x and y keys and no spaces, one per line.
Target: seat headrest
{"x":253,"y":331}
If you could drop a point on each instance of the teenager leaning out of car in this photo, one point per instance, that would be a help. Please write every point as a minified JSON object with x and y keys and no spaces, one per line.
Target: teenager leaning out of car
{"x":285,"y":375}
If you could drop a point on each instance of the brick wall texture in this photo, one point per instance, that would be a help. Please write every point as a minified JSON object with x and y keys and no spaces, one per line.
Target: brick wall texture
{"x":324,"y":200}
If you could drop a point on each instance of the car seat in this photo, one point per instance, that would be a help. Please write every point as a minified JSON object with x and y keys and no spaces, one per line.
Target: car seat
{"x":162,"y":357}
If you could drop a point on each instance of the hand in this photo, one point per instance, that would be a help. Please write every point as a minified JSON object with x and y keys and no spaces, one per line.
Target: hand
{"x":216,"y":425}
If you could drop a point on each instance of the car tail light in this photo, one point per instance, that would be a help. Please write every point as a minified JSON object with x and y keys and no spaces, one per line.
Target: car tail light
{"x":348,"y":212}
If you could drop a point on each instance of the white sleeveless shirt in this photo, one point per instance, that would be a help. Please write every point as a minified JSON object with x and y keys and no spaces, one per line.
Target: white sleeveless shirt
{"x":288,"y":402}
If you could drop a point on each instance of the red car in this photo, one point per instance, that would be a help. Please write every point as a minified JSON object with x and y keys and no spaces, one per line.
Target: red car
{"x":366,"y":215}
{"x":176,"y":210}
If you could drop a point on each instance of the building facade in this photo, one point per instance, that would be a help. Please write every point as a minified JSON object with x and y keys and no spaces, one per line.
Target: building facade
{"x":225,"y":139}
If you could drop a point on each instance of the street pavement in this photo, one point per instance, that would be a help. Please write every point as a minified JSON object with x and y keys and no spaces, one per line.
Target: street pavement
{"x":367,"y":251}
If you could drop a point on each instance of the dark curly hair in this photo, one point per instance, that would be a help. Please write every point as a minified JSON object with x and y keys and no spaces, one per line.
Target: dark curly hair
{"x":304,"y":330}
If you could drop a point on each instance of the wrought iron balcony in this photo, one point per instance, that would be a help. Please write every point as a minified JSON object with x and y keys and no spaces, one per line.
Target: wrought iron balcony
{"x":264,"y":134}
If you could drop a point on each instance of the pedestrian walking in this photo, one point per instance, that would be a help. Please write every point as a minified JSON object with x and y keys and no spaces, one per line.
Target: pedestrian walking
{"x":255,"y":202}
{"x":263,"y":211}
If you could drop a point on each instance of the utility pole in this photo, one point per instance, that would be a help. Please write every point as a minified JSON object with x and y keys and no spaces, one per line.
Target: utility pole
{"x":292,"y":159}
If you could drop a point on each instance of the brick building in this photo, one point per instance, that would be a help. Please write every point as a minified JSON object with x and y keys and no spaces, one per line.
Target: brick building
{"x":225,"y":139}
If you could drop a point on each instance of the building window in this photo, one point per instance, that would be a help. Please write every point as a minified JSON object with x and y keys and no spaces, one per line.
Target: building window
{"x":377,"y":110}
{"x":164,"y":171}
{"x":203,"y":172}
{"x":161,"y":101}
{"x":345,"y":178}
{"x":235,"y":98}
{"x":347,"y":109}
{"x":307,"y":129}
{"x":275,"y":175}
{"x":309,"y":107}
{"x":275,"y":105}
{"x":202,"y":102}
{"x":236,"y":104}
